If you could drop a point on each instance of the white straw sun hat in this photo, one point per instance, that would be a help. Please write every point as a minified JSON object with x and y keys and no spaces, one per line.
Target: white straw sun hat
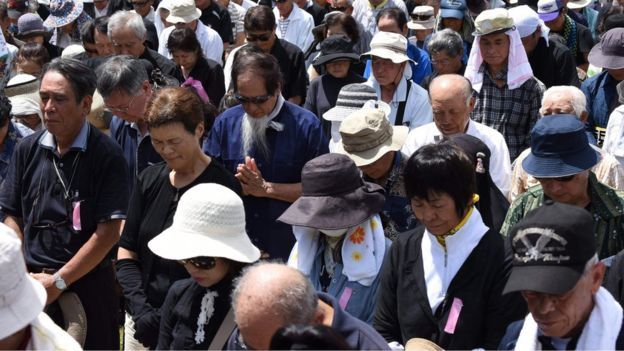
{"x":22,"y":298}
{"x":209,"y":221}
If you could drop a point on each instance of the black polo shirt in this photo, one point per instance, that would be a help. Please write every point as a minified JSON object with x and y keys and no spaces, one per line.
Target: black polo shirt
{"x":218,"y":18}
{"x":553,"y":64}
{"x":157,"y":60}
{"x":92,"y":173}
{"x":291,"y":62}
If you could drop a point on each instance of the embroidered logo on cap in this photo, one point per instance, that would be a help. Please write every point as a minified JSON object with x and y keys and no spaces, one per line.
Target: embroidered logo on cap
{"x":549,"y":246}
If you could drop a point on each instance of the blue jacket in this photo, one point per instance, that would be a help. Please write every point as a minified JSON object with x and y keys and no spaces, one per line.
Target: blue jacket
{"x":599,"y":91}
{"x":420,"y":69}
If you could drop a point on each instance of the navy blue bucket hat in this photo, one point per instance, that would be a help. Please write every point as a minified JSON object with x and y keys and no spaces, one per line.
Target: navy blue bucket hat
{"x":559,"y":148}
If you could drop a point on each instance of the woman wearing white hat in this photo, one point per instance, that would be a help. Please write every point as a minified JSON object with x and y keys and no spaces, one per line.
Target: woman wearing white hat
{"x":208,"y":238}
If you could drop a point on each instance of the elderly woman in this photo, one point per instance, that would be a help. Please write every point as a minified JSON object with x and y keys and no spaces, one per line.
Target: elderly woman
{"x":192,"y":67}
{"x":444,"y":282}
{"x":446,"y":49}
{"x":340,"y":240}
{"x":208,"y":239}
{"x":175,"y":122}
{"x":337,"y":56}
{"x":409,"y":102}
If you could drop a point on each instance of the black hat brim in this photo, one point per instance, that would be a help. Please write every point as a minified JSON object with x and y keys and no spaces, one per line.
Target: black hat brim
{"x":543,"y":279}
{"x":323,"y":59}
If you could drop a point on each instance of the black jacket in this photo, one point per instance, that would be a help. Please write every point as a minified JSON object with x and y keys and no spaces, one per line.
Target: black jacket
{"x":553,"y":64}
{"x":403,"y":309}
{"x":210,"y":74}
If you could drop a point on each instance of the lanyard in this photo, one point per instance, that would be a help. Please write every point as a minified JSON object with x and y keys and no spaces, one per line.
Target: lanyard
{"x":66,"y":188}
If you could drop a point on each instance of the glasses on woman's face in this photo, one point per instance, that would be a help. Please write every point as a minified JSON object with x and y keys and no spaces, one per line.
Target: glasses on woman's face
{"x":201,"y":262}
{"x":256,"y":100}
{"x":262,"y":37}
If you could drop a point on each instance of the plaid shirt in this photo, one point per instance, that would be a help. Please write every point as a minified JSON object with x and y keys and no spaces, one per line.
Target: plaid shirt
{"x":512,"y":112}
{"x":606,"y":206}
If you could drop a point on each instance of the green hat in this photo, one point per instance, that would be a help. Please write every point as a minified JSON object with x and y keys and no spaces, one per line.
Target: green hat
{"x":491,"y":21}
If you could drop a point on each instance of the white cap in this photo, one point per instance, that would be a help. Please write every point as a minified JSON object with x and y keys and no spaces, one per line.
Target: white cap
{"x":526,"y":21}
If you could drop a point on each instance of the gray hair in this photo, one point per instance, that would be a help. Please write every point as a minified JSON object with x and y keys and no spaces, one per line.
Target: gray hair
{"x":120,"y":73}
{"x":295,"y":302}
{"x":127,"y":19}
{"x":446,"y":40}
{"x":576,"y":96}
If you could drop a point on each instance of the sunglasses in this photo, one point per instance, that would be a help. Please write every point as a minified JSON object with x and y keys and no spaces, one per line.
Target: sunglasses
{"x":256,"y":100}
{"x":558,"y":179}
{"x":341,"y":9}
{"x":262,"y":37}
{"x":201,"y":262}
{"x":416,"y":17}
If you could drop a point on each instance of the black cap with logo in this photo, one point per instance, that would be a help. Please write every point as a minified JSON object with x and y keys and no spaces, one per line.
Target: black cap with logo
{"x":551,"y":246}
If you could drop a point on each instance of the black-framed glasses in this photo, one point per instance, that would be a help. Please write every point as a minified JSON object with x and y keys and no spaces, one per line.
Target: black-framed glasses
{"x":201,"y":262}
{"x":262,"y":37}
{"x":256,"y":100}
{"x":558,"y":179}
{"x":417,"y":17}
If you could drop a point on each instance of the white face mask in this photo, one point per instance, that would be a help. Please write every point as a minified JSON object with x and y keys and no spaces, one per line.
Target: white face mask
{"x":334,"y":233}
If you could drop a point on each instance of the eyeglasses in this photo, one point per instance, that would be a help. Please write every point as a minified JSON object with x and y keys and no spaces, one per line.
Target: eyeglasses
{"x":201,"y":262}
{"x":558,"y":179}
{"x":261,"y":37}
{"x":416,"y":17}
{"x":256,"y":100}
{"x":120,"y":109}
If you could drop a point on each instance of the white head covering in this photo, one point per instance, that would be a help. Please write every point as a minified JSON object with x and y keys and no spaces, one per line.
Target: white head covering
{"x":526,"y":21}
{"x":517,"y":59}
{"x":24,"y":105}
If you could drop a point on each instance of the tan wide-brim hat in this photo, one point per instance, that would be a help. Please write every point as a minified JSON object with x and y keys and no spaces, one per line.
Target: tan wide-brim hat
{"x":183,"y":11}
{"x":390,"y":46}
{"x":209,"y":221}
{"x":367,"y":135}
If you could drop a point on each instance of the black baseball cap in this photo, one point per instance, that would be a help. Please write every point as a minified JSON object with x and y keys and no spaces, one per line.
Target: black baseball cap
{"x":551,"y":246}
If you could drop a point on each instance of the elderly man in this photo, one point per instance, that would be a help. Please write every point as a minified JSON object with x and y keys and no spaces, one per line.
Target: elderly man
{"x":551,"y":62}
{"x":24,"y":324}
{"x":123,"y":83}
{"x":365,"y":12}
{"x":294,"y":24}
{"x":561,"y":160}
{"x":507,"y":93}
{"x":265,"y":141}
{"x":569,"y":100}
{"x":452,"y":102}
{"x":556,"y":269}
{"x":391,"y":79}
{"x":269,"y":296}
{"x":127,"y":33}
{"x":184,"y":14}
{"x":260,"y":32}
{"x":65,"y":195}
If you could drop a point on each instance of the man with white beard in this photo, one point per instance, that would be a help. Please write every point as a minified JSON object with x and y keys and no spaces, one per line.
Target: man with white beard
{"x":265,"y":141}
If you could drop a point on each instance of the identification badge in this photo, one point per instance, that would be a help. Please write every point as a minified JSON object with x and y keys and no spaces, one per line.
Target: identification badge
{"x":453,"y":317}
{"x":76,"y":216}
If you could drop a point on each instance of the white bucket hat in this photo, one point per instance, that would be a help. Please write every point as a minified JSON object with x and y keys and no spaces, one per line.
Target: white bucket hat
{"x":209,"y":221}
{"x":22,"y":298}
{"x":183,"y":11}
{"x":391,"y":46}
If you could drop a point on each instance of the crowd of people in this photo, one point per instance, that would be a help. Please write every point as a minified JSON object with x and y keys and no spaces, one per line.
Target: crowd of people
{"x":312,"y":174}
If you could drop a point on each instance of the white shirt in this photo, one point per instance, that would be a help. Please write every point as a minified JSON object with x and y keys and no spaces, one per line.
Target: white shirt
{"x":246,"y":4}
{"x":208,"y":38}
{"x":417,"y":109}
{"x":296,"y":29}
{"x":237,"y":16}
{"x":102,"y":13}
{"x":364,"y":14}
{"x":500,"y":165}
{"x":46,"y":335}
{"x":614,"y":137}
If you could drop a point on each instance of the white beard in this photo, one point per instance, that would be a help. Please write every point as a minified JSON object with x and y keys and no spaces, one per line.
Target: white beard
{"x":253,"y":132}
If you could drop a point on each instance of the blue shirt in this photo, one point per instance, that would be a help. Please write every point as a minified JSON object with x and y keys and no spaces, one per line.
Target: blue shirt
{"x":44,"y":189}
{"x":301,"y":140}
{"x":138,"y":154}
{"x":420,"y":69}
{"x":600,"y":92}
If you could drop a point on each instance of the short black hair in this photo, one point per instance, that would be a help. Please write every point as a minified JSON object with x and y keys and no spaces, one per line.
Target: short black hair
{"x":263,"y":65}
{"x":87,"y":32}
{"x":184,"y":39}
{"x":259,"y":18}
{"x":101,"y":24}
{"x":308,"y":337}
{"x":441,"y":168}
{"x":5,"y":110}
{"x":81,"y":78}
{"x":395,"y":13}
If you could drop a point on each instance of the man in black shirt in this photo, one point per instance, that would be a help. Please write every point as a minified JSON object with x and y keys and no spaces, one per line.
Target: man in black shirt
{"x":217,"y":18}
{"x":550,"y":61}
{"x":65,"y":194}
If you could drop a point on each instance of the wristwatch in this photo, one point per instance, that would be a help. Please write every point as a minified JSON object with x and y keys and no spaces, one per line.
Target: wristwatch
{"x":59,"y":282}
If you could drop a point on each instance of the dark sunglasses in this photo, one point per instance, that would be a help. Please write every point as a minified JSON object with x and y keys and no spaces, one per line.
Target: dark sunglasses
{"x":256,"y":100}
{"x":201,"y":262}
{"x":341,"y":9}
{"x":559,"y":179}
{"x":262,"y":37}
{"x":416,"y":17}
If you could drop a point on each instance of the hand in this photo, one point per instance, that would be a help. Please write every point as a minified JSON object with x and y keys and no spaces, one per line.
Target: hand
{"x":48,"y":283}
{"x":251,"y":178}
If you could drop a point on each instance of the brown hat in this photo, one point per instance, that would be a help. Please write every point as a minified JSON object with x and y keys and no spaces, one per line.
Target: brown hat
{"x":367,"y":135}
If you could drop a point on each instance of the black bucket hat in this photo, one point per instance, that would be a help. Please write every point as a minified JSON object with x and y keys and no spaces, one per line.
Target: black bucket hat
{"x":334,"y":196}
{"x":336,"y":47}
